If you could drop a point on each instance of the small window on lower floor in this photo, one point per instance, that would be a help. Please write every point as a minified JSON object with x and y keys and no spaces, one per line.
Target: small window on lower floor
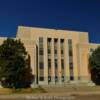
{"x":62,"y":78}
{"x":49,"y":78}
{"x":56,"y":78}
{"x":41,"y":78}
{"x":71,"y":78}
{"x":41,"y":65}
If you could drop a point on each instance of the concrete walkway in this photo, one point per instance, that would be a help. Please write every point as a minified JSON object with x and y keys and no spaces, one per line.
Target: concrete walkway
{"x":53,"y":96}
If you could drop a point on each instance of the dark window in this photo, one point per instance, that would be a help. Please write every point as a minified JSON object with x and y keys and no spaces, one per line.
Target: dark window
{"x":62,"y":63}
{"x":62,"y":52}
{"x":49,"y":78}
{"x":70,"y":59}
{"x":56,"y":67}
{"x":55,"y":40}
{"x":55,"y":43}
{"x":41,"y":52}
{"x":62,"y":78}
{"x":62,"y":41}
{"x":56,"y":78}
{"x":49,"y":43}
{"x":62,"y":47}
{"x":71,"y":73}
{"x":56,"y":64}
{"x":71,"y":65}
{"x":41,"y":78}
{"x":41,"y":60}
{"x":70,"y":53}
{"x":55,"y":51}
{"x":55,"y":47}
{"x":49,"y":63}
{"x":49,"y":40}
{"x":49,"y":51}
{"x":41,"y":65}
{"x":71,"y":78}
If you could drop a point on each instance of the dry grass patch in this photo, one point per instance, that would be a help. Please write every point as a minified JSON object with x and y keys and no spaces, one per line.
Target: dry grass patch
{"x":6,"y":91}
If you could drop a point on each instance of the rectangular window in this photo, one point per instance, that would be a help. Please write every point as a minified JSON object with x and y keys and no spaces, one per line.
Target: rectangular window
{"x":56,"y":78}
{"x":70,"y":59}
{"x":49,"y":78}
{"x":40,"y":51}
{"x":63,"y":78}
{"x":41,"y":60}
{"x":49,"y":70}
{"x":49,"y":63}
{"x":55,"y":51}
{"x":41,"y":65}
{"x":62,"y":52}
{"x":70,"y":53}
{"x":62,"y":63}
{"x":49,"y":42}
{"x":56,"y":63}
{"x":55,"y":47}
{"x":56,"y":58}
{"x":56,"y":70}
{"x":62,"y":69}
{"x":49,"y":51}
{"x":41,"y":78}
{"x":49,"y":58}
{"x":62,"y":43}
{"x":62,"y":47}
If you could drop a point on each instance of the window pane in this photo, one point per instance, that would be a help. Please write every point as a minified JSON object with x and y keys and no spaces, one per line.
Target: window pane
{"x":41,"y":78}
{"x":70,"y":59}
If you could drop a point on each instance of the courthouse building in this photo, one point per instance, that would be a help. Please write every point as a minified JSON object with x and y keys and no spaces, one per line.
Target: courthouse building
{"x":57,"y":56}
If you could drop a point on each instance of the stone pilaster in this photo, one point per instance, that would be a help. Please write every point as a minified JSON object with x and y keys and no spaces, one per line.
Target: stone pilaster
{"x":52,"y":62}
{"x":66,"y":62}
{"x":45,"y":61}
{"x":59,"y":62}
{"x":75,"y":65}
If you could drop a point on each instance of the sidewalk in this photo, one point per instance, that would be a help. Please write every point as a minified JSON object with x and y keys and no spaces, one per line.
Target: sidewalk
{"x":50,"y":96}
{"x":58,"y":93}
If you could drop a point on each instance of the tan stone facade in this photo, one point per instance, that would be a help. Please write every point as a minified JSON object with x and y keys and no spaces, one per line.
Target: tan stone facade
{"x":57,"y":56}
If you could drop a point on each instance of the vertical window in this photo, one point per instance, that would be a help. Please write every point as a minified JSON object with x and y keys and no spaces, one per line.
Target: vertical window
{"x":41,"y":60}
{"x":49,"y":58}
{"x":41,"y":78}
{"x":49,"y":67}
{"x":49,"y":63}
{"x":56,"y":63}
{"x":62,"y":47}
{"x":62,"y":68}
{"x":49,"y":70}
{"x":55,"y":47}
{"x":62,"y":58}
{"x":62,"y":63}
{"x":49,"y":45}
{"x":56,"y":58}
{"x":70,"y":59}
{"x":56,"y":70}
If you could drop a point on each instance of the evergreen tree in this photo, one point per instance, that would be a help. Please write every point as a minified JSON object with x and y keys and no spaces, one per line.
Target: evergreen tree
{"x":94,"y":63}
{"x":15,"y":70}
